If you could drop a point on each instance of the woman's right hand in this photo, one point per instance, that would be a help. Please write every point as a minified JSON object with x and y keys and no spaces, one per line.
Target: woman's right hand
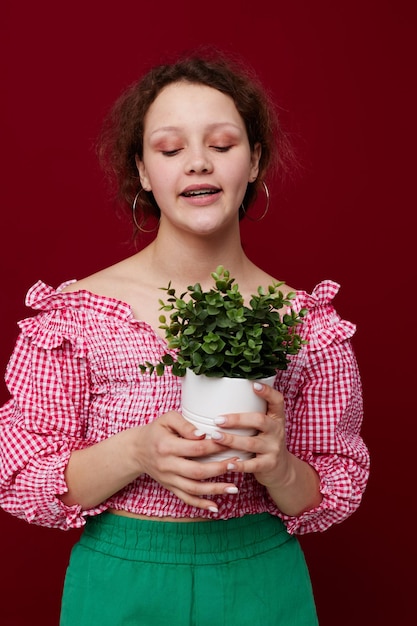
{"x":166,"y":450}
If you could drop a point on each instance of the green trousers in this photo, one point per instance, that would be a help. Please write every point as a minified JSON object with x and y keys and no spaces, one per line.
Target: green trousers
{"x":242,"y":572}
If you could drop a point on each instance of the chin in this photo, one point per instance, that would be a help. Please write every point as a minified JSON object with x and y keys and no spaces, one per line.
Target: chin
{"x":210,"y":226}
{"x":207,"y":230}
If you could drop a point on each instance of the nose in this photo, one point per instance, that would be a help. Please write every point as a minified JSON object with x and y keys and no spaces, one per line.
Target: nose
{"x":199,"y":161}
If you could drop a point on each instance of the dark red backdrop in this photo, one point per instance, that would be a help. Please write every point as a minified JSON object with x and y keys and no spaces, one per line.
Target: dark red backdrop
{"x":344,"y":75}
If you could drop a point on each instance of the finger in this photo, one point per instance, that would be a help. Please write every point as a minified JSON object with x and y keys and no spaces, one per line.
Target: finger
{"x":195,"y":449}
{"x":274,"y":398}
{"x":268,"y":441}
{"x":203,"y":470}
{"x":197,"y":493}
{"x":205,"y":488}
{"x":248,"y":421}
{"x":255,"y":465}
{"x":198,"y":502}
{"x":251,"y":444}
{"x":178,"y":424}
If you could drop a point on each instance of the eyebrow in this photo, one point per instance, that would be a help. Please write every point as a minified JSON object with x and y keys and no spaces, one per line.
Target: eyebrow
{"x":210,"y":127}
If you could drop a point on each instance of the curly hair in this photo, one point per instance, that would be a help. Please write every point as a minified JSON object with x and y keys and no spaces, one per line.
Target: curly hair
{"x":121,"y":139}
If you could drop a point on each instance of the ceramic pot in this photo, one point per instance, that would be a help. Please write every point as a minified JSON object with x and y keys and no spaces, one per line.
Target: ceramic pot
{"x":205,"y":398}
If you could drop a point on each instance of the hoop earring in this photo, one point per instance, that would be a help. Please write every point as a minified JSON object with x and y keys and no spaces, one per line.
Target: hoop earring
{"x":259,"y":219}
{"x":139,"y":227}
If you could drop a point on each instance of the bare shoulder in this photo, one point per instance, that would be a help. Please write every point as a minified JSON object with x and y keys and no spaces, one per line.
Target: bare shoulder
{"x":263,"y":279}
{"x":111,"y":282}
{"x":96,"y":283}
{"x":128,"y":282}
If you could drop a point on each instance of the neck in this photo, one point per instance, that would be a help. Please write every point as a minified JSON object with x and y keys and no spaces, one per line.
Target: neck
{"x":186,"y":259}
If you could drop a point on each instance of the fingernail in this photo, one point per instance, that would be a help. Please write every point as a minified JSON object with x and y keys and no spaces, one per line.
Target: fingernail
{"x":258,"y":386}
{"x":213,"y":509}
{"x":231,"y":466}
{"x":232,"y":490}
{"x":198,"y":433}
{"x":216,"y":435}
{"x":220,"y":419}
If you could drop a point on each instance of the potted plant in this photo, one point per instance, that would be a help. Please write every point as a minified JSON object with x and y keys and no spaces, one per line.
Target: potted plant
{"x":223,"y":344}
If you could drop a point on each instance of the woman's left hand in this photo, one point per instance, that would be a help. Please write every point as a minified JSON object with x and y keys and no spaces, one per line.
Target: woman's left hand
{"x":271,"y":461}
{"x":293,"y":484}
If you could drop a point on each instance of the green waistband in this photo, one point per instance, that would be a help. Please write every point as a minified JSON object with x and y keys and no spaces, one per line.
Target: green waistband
{"x":183,"y":542}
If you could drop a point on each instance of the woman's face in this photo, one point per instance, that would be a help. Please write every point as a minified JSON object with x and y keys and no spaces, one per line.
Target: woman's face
{"x":196,"y":158}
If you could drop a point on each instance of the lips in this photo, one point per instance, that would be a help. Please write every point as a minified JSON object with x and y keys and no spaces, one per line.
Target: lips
{"x":198,"y":191}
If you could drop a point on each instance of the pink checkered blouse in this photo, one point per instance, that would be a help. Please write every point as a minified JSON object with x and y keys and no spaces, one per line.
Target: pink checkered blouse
{"x":74,"y":380}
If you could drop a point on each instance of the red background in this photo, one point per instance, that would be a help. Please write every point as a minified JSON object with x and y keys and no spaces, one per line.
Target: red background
{"x":344,"y":76}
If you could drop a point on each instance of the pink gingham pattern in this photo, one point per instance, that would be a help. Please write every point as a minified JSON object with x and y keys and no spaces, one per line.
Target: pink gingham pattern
{"x":74,"y":380}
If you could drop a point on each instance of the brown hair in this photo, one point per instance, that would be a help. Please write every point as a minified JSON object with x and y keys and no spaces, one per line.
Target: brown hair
{"x":121,"y":138}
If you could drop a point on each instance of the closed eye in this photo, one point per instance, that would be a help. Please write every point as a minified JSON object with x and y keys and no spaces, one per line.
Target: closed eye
{"x":221,"y":148}
{"x":170,"y":153}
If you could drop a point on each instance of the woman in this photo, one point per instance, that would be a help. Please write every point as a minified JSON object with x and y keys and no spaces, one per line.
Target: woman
{"x":88,"y":439}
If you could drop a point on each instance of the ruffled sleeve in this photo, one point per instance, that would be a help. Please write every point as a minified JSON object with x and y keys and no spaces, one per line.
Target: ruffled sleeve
{"x":46,"y":417}
{"x":323,"y":399}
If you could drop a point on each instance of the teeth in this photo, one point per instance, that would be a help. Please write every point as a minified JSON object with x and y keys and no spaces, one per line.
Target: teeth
{"x":199,"y":192}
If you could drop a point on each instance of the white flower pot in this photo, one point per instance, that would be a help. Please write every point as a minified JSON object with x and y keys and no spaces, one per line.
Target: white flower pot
{"x":205,"y":398}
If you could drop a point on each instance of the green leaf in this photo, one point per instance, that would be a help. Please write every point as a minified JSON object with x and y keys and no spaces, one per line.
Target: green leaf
{"x":160,"y":369}
{"x":197,"y":359}
{"x":212,"y":361}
